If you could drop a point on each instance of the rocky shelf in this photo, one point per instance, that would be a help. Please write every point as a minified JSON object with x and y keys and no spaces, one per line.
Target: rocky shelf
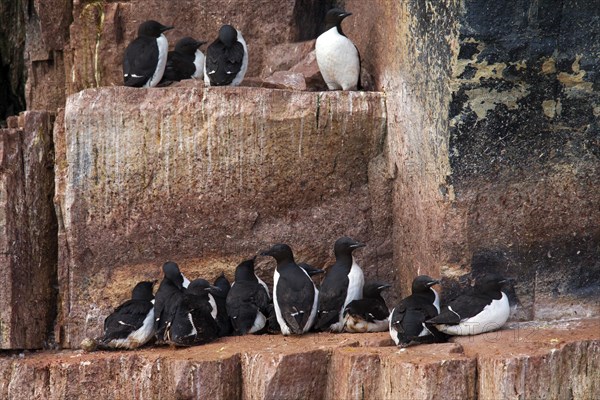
{"x":559,"y":360}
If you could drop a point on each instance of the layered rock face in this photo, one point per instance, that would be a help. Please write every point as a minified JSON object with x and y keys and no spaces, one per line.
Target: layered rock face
{"x":555,"y":361}
{"x":493,"y":132}
{"x":208,"y":177}
{"x":28,"y":244}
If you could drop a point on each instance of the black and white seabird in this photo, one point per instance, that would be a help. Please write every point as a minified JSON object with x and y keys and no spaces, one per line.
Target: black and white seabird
{"x":186,"y":61}
{"x":146,"y":56}
{"x":248,"y":300}
{"x":337,"y":57}
{"x":484,"y":310}
{"x":131,"y":325}
{"x":167,"y":297}
{"x":195,"y":317}
{"x":226,"y":58}
{"x":369,"y":314}
{"x":407,"y":320}
{"x":294,"y":293}
{"x":342,"y":284}
{"x":220,"y":296}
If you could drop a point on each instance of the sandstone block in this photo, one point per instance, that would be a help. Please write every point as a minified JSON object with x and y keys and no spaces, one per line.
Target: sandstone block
{"x":27,"y":233}
{"x":207,"y":177}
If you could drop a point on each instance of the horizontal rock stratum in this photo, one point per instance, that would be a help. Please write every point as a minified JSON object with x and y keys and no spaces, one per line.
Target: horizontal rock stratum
{"x":529,"y":361}
{"x":207,"y":178}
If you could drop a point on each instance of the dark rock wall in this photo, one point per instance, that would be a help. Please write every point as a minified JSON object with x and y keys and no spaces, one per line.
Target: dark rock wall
{"x":525,"y":148}
{"x":12,"y":62}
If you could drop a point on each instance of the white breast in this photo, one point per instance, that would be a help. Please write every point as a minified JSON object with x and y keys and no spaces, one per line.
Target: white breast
{"x":139,"y":337}
{"x":285,"y":330}
{"x":240,"y":75}
{"x":213,"y":304}
{"x":338,"y":60}
{"x":199,"y":64}
{"x":492,"y":317}
{"x":163,"y":49}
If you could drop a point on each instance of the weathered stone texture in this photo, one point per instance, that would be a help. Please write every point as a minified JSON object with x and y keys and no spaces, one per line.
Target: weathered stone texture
{"x":28,"y":245}
{"x":529,"y":361}
{"x":206,"y":177}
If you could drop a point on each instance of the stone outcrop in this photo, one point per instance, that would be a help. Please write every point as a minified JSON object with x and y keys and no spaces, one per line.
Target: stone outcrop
{"x":27,"y":232}
{"x":493,"y":132}
{"x":529,"y":361}
{"x":208,"y":177}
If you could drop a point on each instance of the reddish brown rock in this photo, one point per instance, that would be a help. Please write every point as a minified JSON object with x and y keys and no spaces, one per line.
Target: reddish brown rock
{"x":310,"y":69}
{"x":287,"y":80}
{"x":284,"y":56}
{"x":27,"y":237}
{"x":208,"y":177}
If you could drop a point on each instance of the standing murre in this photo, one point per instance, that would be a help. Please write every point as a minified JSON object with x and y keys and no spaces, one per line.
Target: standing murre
{"x":131,"y":324}
{"x":484,"y":310}
{"x":407,"y":323}
{"x":186,"y":61}
{"x":195,"y":316}
{"x":248,"y":300}
{"x":337,"y":57}
{"x":220,"y":296}
{"x":146,"y":56}
{"x":226,"y":60}
{"x":369,"y":314}
{"x":342,"y":284}
{"x":167,"y":297}
{"x":294,"y":293}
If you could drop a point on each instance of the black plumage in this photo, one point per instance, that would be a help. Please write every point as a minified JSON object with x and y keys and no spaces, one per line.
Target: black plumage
{"x":220,"y":295}
{"x":337,"y":288}
{"x":167,"y":297}
{"x":483,"y":309}
{"x":294,"y":293}
{"x":310,"y":270}
{"x":194,"y":320}
{"x":142,"y":57}
{"x":225,"y":58}
{"x":248,"y":300}
{"x":130,"y":325}
{"x":408,"y":319}
{"x":369,"y":314}
{"x":180,"y":61}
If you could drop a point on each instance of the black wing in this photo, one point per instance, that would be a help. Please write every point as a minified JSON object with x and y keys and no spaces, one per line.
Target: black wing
{"x":126,"y":318}
{"x":410,"y":315}
{"x":331,"y":300}
{"x":165,"y":305}
{"x":139,"y":63}
{"x":370,"y":310}
{"x":295,"y":297}
{"x":222,"y":64}
{"x":179,"y":66}
{"x":244,"y":300}
{"x":465,"y":306}
{"x":193,"y":323}
{"x":359,"y":83}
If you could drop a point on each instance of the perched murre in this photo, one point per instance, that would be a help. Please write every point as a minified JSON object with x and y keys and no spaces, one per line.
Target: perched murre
{"x":407,"y":320}
{"x":337,"y":57}
{"x":226,"y":58}
{"x":369,"y":314}
{"x":186,"y":61}
{"x":342,"y":284}
{"x":167,"y":297}
{"x":294,"y":293}
{"x":248,"y":300}
{"x":131,"y":324}
{"x":195,"y":316}
{"x":220,"y":296}
{"x":485,"y":309}
{"x":146,"y":56}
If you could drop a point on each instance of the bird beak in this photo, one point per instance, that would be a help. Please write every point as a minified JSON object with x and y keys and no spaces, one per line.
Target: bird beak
{"x":212,"y":287}
{"x":265,"y":253}
{"x":507,"y":280}
{"x":384,"y":286}
{"x":434,"y":282}
{"x":357,"y":245}
{"x":166,"y":28}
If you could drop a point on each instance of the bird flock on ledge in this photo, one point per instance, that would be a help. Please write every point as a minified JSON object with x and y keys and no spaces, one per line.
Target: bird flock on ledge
{"x":148,"y":63}
{"x":184,"y":313}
